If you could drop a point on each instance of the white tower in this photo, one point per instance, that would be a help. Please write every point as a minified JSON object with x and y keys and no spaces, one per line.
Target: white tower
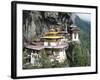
{"x":75,"y":33}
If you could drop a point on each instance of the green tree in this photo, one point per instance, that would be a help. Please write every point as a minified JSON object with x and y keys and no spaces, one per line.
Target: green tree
{"x":44,"y":60}
{"x":79,"y":56}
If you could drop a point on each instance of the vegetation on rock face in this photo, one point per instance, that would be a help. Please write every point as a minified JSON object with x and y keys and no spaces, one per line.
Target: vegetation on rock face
{"x":45,"y":61}
{"x":77,"y":55}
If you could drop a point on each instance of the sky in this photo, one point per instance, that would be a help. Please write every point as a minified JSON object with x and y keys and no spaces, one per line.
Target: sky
{"x":84,"y":16}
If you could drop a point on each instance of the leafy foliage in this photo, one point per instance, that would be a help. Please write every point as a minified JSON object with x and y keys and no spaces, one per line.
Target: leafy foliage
{"x":45,"y":61}
{"x":78,"y":55}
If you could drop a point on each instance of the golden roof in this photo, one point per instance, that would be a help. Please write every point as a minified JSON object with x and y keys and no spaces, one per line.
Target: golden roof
{"x":52,"y":37}
{"x":51,"y":33}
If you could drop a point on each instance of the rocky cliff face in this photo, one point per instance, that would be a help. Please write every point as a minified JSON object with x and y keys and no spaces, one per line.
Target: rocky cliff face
{"x":36,"y":23}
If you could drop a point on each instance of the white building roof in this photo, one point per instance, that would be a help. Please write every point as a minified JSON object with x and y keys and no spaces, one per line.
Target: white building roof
{"x":39,"y":47}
